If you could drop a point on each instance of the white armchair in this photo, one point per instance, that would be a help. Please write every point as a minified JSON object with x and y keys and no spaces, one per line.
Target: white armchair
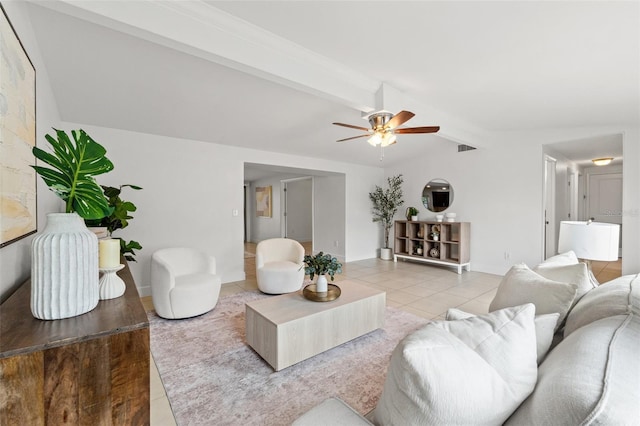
{"x":279,"y":265}
{"x":183,"y":282}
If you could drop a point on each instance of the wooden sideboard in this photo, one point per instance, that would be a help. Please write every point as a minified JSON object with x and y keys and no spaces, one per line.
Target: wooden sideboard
{"x":415,"y":240}
{"x":92,"y":369}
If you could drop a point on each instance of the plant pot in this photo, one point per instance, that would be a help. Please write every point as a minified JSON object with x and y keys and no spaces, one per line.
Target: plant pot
{"x":386,"y":253}
{"x":321,"y":284}
{"x":64,"y":268}
{"x":414,"y":218}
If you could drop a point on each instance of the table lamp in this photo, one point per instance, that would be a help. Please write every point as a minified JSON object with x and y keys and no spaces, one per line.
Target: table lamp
{"x":590,"y":241}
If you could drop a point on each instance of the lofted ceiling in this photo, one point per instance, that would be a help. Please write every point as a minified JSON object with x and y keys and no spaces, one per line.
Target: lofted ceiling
{"x":493,"y":66}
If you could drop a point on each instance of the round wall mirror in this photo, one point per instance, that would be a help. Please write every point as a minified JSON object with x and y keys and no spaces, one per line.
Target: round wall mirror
{"x":437,"y":195}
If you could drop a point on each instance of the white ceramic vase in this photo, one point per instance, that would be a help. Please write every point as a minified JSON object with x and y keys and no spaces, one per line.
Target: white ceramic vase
{"x":321,"y":284}
{"x":64,"y":268}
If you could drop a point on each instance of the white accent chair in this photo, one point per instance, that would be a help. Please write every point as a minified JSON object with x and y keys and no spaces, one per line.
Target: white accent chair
{"x":279,"y":265}
{"x":184,"y":283}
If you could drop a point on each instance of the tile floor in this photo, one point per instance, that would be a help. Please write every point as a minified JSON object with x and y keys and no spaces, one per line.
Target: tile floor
{"x":421,"y":289}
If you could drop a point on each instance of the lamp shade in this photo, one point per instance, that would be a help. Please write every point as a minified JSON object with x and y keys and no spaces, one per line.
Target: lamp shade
{"x":590,"y":240}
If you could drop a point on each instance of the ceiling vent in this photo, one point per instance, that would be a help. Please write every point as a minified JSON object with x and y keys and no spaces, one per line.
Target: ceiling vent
{"x":462,"y":148}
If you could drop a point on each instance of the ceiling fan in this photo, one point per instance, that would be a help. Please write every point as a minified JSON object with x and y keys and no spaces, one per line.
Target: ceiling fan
{"x":384,"y":128}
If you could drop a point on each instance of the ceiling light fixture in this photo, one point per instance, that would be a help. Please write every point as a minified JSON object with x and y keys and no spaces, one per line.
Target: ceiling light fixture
{"x":602,"y":161}
{"x":382,"y":138}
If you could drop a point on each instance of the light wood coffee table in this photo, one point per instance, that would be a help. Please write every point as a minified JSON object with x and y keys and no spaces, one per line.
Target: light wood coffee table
{"x":288,"y":329}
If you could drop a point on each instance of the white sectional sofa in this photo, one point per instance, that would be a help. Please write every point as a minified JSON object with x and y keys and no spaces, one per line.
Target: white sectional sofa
{"x":486,"y":369}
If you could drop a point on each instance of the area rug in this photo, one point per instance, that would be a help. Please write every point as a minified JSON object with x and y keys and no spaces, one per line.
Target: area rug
{"x":212,"y":377}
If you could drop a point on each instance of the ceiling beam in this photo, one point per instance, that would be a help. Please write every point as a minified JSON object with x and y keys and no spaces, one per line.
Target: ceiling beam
{"x":202,"y":30}
{"x":199,"y":29}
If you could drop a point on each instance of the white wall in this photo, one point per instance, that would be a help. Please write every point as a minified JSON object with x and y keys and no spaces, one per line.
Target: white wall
{"x":499,"y":191}
{"x":192,"y":187}
{"x":329,"y":215}
{"x":299,"y":209}
{"x":631,"y":201}
{"x":15,"y":259}
{"x":263,"y":228}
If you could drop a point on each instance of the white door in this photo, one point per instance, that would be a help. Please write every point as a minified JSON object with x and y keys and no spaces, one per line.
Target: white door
{"x":549,"y":207}
{"x":605,"y":199}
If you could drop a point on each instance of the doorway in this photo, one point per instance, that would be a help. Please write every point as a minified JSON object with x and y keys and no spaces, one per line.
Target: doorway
{"x":604,"y":200}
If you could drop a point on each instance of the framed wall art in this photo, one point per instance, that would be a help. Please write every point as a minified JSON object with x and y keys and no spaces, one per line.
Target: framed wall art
{"x":18,"y":211}
{"x":263,"y":201}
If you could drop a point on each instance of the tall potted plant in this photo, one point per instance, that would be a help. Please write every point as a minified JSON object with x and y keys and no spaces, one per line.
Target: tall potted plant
{"x":64,"y":267}
{"x":385,"y":205}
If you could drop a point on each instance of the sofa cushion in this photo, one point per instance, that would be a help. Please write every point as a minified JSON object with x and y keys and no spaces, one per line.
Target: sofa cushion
{"x":521,"y":285}
{"x":545,"y":325}
{"x":619,"y":296}
{"x":590,"y":378}
{"x":576,"y":274}
{"x":471,"y":371}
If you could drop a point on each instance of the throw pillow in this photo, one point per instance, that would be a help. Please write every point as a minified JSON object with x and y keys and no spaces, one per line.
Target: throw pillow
{"x":472,"y":371}
{"x":577,"y":274}
{"x":545,"y":325}
{"x":568,"y":258}
{"x":562,"y":259}
{"x":521,"y":285}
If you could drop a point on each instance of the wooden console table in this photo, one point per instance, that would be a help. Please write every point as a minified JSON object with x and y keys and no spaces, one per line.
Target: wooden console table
{"x":92,"y":369}
{"x":416,"y":240}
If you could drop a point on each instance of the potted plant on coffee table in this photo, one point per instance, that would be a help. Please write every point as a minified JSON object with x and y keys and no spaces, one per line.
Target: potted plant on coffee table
{"x":385,"y":205}
{"x":321,"y":265}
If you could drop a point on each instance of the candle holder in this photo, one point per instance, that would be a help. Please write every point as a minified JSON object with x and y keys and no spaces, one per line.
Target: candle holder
{"x":110,"y":284}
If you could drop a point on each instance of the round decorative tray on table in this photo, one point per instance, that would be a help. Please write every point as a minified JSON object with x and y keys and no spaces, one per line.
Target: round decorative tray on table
{"x":333,"y":292}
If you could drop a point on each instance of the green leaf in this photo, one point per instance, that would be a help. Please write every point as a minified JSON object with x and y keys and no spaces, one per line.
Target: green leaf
{"x":73,"y":165}
{"x":132,"y":187}
{"x":127,"y":249}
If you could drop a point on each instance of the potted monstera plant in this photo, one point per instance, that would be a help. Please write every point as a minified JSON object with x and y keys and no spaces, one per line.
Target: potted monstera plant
{"x":64,"y":267}
{"x":385,"y":205}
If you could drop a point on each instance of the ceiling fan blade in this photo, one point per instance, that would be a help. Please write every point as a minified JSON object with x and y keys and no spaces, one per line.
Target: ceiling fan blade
{"x":351,"y":126}
{"x":398,"y":119}
{"x":431,"y":129}
{"x":353,"y":137}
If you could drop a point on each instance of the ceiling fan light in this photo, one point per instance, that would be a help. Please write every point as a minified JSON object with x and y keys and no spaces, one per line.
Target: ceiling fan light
{"x":375,"y":140}
{"x":602,"y":161}
{"x":388,"y":139}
